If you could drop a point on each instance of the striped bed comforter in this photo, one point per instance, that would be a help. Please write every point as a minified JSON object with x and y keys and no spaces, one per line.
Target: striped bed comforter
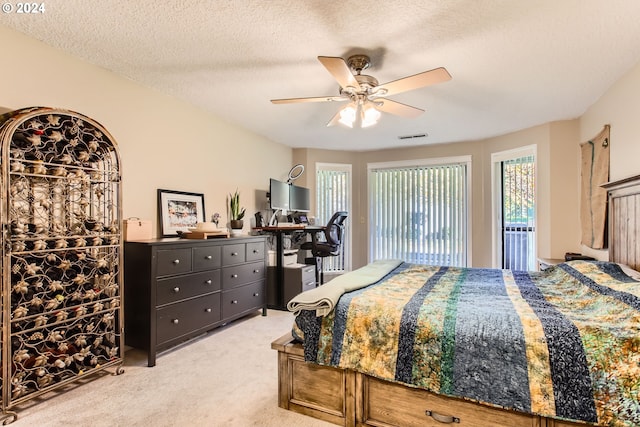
{"x":563,"y":343}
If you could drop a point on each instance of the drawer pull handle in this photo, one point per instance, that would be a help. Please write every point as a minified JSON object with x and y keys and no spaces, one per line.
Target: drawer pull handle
{"x":207,"y":310}
{"x":255,"y":251}
{"x":310,"y":283}
{"x":256,"y":271}
{"x":235,"y":301}
{"x":234,"y":253}
{"x":175,"y":321}
{"x":447,"y":419}
{"x":208,"y":257}
{"x":208,"y":282}
{"x":176,"y":261}
{"x":176,"y":289}
{"x":256,"y":294}
{"x":234,"y":276}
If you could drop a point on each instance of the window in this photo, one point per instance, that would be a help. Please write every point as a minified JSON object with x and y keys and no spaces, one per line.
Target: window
{"x":514,"y":209}
{"x":333,"y":193}
{"x":419,"y":211}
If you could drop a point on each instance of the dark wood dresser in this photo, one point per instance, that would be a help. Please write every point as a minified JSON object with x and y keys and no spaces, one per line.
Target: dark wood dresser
{"x":177,"y":289}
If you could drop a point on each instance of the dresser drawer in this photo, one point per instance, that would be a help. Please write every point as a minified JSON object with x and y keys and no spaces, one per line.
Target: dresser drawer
{"x":187,"y":286}
{"x":241,"y":299}
{"x":173,"y":261}
{"x":308,"y":273}
{"x":206,"y":258}
{"x":318,"y":390}
{"x":242,"y":274}
{"x":255,"y":251}
{"x":298,"y":280}
{"x":233,"y":254}
{"x":389,"y":404}
{"x":185,"y":317}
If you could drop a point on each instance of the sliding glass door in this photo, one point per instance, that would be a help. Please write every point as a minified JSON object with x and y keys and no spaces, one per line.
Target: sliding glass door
{"x":419,"y":211}
{"x":333,"y":193}
{"x":515,"y":208}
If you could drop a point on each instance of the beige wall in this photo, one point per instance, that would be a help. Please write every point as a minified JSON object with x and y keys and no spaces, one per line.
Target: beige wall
{"x":164,"y":142}
{"x":619,"y":107}
{"x":564,"y":190}
{"x":557,"y":186}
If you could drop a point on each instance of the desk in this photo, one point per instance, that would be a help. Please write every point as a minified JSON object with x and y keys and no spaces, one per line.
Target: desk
{"x":279,"y":232}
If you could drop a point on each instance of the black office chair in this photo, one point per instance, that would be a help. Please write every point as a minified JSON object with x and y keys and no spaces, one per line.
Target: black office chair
{"x":331,"y":245}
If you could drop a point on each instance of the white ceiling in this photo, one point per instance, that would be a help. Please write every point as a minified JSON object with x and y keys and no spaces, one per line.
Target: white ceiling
{"x":514,"y":63}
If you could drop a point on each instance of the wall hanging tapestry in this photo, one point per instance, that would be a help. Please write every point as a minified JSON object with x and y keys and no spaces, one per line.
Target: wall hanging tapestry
{"x":593,"y":200}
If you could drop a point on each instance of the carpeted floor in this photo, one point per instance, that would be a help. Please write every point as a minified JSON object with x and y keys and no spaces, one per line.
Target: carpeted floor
{"x":225,"y":378}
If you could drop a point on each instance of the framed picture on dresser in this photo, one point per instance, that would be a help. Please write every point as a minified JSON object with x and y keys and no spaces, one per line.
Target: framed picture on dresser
{"x":178,"y":211}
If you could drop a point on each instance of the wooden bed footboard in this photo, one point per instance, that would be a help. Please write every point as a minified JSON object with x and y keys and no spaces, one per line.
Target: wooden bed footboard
{"x":352,"y":399}
{"x":318,"y":391}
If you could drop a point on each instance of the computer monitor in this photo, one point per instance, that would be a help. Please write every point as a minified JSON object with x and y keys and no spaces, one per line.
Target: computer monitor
{"x":299,"y":199}
{"x":279,"y":195}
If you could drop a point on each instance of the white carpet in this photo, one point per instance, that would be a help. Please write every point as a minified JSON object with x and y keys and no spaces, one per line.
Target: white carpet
{"x":225,"y":378}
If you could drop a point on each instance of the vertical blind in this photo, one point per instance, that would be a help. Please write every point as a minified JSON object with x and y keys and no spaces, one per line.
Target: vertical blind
{"x":333,"y":195}
{"x":419,"y":214}
{"x":518,"y":213}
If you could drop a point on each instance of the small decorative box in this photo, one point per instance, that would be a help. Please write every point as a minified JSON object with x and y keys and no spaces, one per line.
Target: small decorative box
{"x":137,"y":229}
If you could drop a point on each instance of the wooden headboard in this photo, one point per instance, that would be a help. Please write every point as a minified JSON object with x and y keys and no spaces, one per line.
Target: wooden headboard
{"x":624,"y":221}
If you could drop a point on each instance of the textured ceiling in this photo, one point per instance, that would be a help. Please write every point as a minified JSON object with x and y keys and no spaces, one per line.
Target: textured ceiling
{"x":514,"y":63}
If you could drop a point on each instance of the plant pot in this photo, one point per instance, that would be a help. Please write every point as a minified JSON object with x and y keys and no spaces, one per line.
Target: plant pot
{"x":236,"y":224}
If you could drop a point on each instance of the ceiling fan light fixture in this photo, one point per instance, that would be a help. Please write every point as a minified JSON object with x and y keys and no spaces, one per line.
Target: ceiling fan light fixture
{"x":348,"y":115}
{"x":370,"y":116}
{"x":379,"y":91}
{"x":365,"y":95}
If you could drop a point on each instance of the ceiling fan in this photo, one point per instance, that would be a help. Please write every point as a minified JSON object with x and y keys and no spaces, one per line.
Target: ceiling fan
{"x":366,"y":97}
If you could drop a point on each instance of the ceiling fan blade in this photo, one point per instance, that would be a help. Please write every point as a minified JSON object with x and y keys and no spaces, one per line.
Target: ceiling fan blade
{"x":334,"y":120}
{"x":340,"y":71}
{"x":397,"y":108}
{"x":437,"y":75}
{"x":313,"y":99}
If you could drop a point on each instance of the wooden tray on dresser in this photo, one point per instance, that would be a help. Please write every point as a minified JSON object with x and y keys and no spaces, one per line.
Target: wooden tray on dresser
{"x":205,"y":234}
{"x":352,"y":399}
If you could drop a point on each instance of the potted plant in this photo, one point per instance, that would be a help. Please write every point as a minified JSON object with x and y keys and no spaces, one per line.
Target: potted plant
{"x":236,"y":213}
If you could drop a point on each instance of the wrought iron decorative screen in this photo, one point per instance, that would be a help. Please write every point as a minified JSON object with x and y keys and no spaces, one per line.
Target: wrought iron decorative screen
{"x":62,"y":251}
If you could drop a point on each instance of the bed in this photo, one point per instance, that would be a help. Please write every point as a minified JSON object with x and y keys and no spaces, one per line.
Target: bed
{"x":431,"y":345}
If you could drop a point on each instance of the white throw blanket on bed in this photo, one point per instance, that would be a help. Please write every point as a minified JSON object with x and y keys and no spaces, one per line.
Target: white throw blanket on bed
{"x":323,"y":298}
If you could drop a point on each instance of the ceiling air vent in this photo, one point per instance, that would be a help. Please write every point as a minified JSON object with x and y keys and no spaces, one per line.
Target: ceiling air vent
{"x":419,"y":135}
